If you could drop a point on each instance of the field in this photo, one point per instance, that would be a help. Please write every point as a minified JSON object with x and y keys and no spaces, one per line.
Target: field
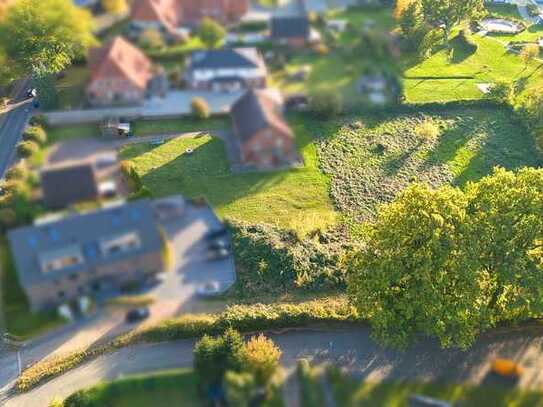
{"x":371,"y":160}
{"x":296,"y":198}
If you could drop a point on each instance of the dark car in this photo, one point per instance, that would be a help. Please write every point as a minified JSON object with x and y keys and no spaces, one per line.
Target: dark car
{"x":218,"y":254}
{"x":137,"y":314}
{"x":219,"y":244}
{"x":216,"y":234}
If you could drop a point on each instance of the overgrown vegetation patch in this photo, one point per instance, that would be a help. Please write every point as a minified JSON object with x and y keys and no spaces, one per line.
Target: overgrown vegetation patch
{"x":370,"y":161}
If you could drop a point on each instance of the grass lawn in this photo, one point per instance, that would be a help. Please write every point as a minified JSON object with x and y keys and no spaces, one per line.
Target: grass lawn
{"x":71,"y":88}
{"x":439,"y":78}
{"x":167,"y":389}
{"x":372,"y":162}
{"x":349,"y":392}
{"x":296,"y":198}
{"x":62,"y":133}
{"x":19,"y":321}
{"x":185,"y":124}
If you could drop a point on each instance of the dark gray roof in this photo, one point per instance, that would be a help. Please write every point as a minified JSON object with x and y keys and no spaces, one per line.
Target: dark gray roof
{"x":225,"y":58}
{"x":63,"y":186}
{"x":255,"y":111}
{"x":289,"y":27}
{"x":28,"y":243}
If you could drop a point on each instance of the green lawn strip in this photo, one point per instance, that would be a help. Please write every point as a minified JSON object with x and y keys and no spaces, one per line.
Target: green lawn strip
{"x":372,"y":163}
{"x":349,"y":392}
{"x":181,"y":125}
{"x":20,"y":321}
{"x":176,"y":387}
{"x":71,"y":87}
{"x":56,"y":134}
{"x":296,"y":198}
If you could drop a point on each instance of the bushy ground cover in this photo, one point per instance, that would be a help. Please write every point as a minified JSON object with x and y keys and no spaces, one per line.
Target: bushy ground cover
{"x":371,"y":160}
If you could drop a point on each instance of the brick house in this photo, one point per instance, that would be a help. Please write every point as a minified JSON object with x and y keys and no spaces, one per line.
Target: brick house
{"x":226,"y":70}
{"x":168,"y":16}
{"x":83,"y":254}
{"x":120,"y":74}
{"x":261,"y":133}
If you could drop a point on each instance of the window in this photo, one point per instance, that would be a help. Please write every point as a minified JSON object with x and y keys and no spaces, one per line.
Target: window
{"x":120,"y":244}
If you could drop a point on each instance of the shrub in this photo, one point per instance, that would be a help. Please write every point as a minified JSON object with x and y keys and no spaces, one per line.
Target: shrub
{"x":274,"y":260}
{"x":200,"y":108}
{"x":27,"y":148}
{"x":211,"y":33}
{"x":501,"y":92}
{"x":56,"y":402}
{"x":239,"y":388}
{"x":326,"y":104}
{"x":35,"y":133}
{"x":151,"y":39}
{"x":427,"y":129}
{"x":114,"y":6}
{"x":261,"y":359}
{"x":39,"y":120}
{"x":8,"y":218}
{"x":321,"y":49}
{"x":17,"y":172}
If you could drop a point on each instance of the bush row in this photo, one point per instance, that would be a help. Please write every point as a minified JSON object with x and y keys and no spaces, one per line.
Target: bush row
{"x":244,"y":318}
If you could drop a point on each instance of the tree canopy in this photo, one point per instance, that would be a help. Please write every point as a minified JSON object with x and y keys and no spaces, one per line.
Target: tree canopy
{"x":44,"y":36}
{"x":450,"y":263}
{"x":211,"y":33}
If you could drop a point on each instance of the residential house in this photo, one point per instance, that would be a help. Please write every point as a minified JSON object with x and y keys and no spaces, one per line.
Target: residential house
{"x":226,"y":70}
{"x":261,"y":133}
{"x":121,"y":74}
{"x":292,"y":31}
{"x":102,"y":251}
{"x":68,"y":184}
{"x":169,"y":16}
{"x":163,"y":16}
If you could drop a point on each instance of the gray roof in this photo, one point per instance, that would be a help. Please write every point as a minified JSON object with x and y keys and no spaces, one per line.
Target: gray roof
{"x":256,"y":111}
{"x":66,"y":185}
{"x":290,"y":27}
{"x":226,"y":58}
{"x":82,"y":232}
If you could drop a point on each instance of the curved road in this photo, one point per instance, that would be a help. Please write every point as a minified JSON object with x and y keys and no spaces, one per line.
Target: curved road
{"x":348,"y":347}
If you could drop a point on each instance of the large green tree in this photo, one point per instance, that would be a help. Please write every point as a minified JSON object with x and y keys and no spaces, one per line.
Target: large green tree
{"x":446,"y":14}
{"x":44,"y":36}
{"x":450,"y":263}
{"x":211,"y":33}
{"x":412,"y":277}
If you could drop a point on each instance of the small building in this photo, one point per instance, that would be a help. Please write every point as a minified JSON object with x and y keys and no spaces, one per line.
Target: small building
{"x":263,"y":136}
{"x":68,"y":184}
{"x":80,"y":255}
{"x":292,"y":31}
{"x":121,"y":74}
{"x":226,"y":70}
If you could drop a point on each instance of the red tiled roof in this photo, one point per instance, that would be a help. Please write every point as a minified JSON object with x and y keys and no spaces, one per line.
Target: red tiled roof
{"x":168,"y":12}
{"x":120,"y":59}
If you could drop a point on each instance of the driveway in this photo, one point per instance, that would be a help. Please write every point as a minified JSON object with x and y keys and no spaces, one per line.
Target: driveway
{"x":351,"y":348}
{"x":176,"y":103}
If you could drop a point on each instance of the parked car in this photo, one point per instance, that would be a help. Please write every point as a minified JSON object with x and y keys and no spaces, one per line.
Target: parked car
{"x":137,"y":314}
{"x":217,"y":254}
{"x":210,"y":289}
{"x":216,"y":233}
{"x":219,"y":244}
{"x":506,"y":368}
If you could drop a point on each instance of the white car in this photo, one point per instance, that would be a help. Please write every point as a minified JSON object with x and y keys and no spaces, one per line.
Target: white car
{"x":210,"y":289}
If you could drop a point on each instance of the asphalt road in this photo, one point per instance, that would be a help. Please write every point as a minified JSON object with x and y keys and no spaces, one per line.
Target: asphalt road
{"x":10,"y":133}
{"x":351,"y":348}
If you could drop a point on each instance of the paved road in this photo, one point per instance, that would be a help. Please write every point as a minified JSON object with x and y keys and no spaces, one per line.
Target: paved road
{"x":10,"y":133}
{"x":351,"y":348}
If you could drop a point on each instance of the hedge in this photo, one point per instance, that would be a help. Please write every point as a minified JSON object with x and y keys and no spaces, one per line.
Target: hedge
{"x":244,"y":318}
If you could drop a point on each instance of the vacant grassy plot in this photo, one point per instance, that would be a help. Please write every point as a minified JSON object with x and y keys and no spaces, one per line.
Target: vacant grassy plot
{"x":181,"y":125}
{"x":19,"y":321}
{"x":371,"y":161}
{"x":296,"y":198}
{"x":171,"y":388}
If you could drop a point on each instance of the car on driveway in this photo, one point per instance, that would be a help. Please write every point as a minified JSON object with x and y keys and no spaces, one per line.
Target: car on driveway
{"x":219,"y":244}
{"x":217,"y":254}
{"x":137,"y":314}
{"x":210,"y":289}
{"x":216,"y":233}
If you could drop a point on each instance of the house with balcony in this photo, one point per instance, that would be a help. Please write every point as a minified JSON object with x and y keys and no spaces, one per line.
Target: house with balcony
{"x":59,"y":260}
{"x":226,"y":70}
